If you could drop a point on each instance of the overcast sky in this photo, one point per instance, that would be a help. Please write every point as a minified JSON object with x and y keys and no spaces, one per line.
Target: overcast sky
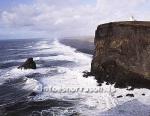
{"x":62,"y":18}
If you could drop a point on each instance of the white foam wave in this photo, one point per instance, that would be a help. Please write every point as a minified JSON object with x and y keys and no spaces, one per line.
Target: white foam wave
{"x":14,"y":73}
{"x":42,"y":45}
{"x":33,"y":85}
{"x":9,"y":61}
{"x":91,"y":103}
{"x":71,"y":77}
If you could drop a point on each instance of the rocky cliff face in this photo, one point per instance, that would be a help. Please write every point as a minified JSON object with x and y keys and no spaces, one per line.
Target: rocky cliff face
{"x":122,"y":54}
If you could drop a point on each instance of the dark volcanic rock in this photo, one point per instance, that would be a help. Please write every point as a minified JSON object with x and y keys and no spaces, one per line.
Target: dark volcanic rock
{"x":29,"y":64}
{"x":122,"y":54}
{"x":119,"y":96}
{"x":130,"y":95}
{"x":86,"y":74}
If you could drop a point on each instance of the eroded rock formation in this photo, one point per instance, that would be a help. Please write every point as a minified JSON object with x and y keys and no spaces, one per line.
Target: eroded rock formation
{"x":28,"y":64}
{"x":122,"y":54}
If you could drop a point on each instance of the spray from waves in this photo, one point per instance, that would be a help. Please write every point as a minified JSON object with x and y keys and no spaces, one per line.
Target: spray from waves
{"x":62,"y":81}
{"x":71,"y":78}
{"x":42,"y":46}
{"x":60,"y":76}
{"x":70,"y":84}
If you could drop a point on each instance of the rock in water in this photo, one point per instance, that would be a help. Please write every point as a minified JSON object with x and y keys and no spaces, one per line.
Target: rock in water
{"x":122,"y":54}
{"x":130,"y":95}
{"x":29,"y":64}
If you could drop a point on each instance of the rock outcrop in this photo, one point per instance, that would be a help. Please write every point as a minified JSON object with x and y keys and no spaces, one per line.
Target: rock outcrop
{"x":122,"y":54}
{"x":29,"y":64}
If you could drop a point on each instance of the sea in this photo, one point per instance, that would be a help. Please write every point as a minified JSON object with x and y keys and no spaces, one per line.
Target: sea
{"x":57,"y":87}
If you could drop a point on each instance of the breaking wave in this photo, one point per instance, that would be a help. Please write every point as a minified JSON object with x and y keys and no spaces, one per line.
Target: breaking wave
{"x":60,"y":76}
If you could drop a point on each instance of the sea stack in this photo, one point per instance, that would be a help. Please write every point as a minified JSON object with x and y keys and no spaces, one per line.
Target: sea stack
{"x":122,"y":54}
{"x":28,"y":64}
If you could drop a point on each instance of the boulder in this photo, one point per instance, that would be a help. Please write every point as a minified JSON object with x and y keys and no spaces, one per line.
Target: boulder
{"x":28,"y":64}
{"x":122,"y":54}
{"x":130,"y":95}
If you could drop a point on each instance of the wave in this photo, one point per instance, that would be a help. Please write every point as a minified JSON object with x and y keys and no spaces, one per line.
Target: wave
{"x":52,"y":73}
{"x":62,"y":76}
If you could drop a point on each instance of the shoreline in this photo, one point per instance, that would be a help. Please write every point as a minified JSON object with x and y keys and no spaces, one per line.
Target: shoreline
{"x":83,"y":45}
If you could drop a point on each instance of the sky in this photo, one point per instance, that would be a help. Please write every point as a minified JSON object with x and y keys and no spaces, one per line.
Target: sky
{"x":64,"y":18}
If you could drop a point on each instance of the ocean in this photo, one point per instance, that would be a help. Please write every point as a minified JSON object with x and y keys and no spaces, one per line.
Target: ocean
{"x":57,"y":87}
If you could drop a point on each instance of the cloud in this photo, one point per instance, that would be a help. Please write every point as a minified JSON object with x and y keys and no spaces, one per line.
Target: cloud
{"x":59,"y":18}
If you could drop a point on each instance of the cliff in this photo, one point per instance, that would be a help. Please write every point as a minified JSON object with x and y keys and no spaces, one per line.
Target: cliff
{"x":122,"y":54}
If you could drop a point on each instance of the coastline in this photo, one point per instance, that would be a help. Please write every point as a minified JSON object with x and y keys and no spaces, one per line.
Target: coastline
{"x":83,"y":45}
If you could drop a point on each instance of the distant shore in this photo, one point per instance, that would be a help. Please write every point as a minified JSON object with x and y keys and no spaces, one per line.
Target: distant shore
{"x":82,"y":45}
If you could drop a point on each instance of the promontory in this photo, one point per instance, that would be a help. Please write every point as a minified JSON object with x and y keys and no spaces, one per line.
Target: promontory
{"x":122,"y":54}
